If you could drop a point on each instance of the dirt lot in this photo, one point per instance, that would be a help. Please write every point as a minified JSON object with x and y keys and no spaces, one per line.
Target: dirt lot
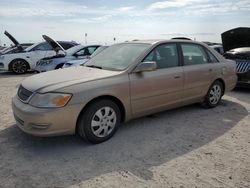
{"x":186,"y":147}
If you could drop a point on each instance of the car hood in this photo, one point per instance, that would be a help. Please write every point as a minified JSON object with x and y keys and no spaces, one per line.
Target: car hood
{"x":61,"y":56}
{"x":55,"y":45}
{"x":53,"y":80}
{"x":11,"y":38}
{"x":78,"y":61}
{"x":236,"y":38}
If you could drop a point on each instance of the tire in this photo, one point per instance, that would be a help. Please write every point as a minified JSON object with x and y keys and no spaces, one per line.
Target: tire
{"x":214,"y":95}
{"x":59,"y":66}
{"x":99,"y":121}
{"x":19,"y":66}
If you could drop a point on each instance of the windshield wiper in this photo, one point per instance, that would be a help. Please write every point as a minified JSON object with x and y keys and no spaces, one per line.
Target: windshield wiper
{"x":94,"y":66}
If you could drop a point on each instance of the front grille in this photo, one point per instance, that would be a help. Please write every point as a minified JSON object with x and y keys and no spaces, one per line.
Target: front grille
{"x":23,"y":93}
{"x":243,"y":66}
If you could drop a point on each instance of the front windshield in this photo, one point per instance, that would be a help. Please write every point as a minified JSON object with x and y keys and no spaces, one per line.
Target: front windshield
{"x":32,"y":46}
{"x":98,"y":50}
{"x":74,"y":49}
{"x":117,"y":57}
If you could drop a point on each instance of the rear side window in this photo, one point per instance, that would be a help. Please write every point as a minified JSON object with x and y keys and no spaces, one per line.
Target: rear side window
{"x":165,"y":56}
{"x":211,"y":57}
{"x":193,"y":54}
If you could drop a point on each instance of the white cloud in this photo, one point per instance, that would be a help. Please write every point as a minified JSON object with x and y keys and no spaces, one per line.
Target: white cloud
{"x":171,"y":4}
{"x":41,"y":8}
{"x":125,"y":9}
{"x":89,"y":20}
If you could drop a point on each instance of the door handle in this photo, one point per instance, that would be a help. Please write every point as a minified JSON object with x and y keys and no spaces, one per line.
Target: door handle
{"x":177,"y":76}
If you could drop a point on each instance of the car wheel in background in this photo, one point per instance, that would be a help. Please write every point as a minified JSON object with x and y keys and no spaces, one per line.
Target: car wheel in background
{"x":99,"y":121}
{"x":19,"y":66}
{"x":59,"y":66}
{"x":214,"y":95}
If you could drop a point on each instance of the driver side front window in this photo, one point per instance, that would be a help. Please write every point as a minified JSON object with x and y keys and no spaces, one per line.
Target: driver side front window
{"x":165,"y":56}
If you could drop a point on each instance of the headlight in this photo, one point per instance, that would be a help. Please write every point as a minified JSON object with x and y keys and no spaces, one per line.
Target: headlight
{"x":44,"y":62}
{"x":1,"y":56}
{"x":50,"y":100}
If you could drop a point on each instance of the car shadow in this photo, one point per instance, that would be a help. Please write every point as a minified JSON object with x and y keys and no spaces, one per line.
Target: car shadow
{"x":240,"y":94}
{"x":136,"y":147}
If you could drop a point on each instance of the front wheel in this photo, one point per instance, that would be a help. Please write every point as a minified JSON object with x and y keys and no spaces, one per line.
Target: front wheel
{"x":99,"y":121}
{"x":214,"y":95}
{"x":19,"y":66}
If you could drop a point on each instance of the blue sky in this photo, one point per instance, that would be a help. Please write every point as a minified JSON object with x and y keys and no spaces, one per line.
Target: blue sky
{"x":103,"y":20}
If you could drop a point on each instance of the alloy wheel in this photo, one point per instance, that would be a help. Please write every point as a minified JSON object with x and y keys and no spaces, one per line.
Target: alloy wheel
{"x":19,"y":67}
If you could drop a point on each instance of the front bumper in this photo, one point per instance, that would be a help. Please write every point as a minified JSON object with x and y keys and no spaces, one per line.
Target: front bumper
{"x":42,"y":68}
{"x":3,"y":66}
{"x":45,"y":121}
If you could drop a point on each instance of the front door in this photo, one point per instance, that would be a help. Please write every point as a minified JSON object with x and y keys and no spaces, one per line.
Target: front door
{"x":157,"y":90}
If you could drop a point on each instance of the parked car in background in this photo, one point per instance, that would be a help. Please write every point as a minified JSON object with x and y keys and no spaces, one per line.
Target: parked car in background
{"x":242,"y":58}
{"x":16,"y":47}
{"x":236,"y":42}
{"x":125,"y":81}
{"x":26,"y":59}
{"x":79,"y":62}
{"x":218,"y":48}
{"x":57,"y":61}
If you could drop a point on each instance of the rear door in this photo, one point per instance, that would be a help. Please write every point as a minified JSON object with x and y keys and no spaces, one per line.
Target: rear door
{"x":197,"y":71}
{"x":157,"y":90}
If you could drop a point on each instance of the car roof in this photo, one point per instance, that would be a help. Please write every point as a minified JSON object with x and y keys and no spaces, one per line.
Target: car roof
{"x":155,"y":41}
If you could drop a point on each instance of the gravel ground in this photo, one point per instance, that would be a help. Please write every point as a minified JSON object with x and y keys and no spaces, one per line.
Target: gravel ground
{"x":185,"y":147}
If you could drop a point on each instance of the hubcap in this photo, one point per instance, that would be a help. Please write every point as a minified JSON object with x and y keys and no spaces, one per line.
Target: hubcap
{"x":215,"y":94}
{"x":103,"y":121}
{"x":19,"y":67}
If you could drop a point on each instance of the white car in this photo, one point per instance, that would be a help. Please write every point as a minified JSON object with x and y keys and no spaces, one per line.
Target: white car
{"x":218,"y":48}
{"x":78,"y":62}
{"x":25,"y":60}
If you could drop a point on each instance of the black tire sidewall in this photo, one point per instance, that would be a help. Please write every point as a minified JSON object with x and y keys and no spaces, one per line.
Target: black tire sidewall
{"x":84,"y":126}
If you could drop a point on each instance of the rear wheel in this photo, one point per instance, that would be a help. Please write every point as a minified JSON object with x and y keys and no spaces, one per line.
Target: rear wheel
{"x":19,"y":66}
{"x":99,"y":121}
{"x":214,"y":95}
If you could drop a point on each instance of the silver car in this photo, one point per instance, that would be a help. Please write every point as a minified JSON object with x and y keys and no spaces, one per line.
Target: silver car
{"x":125,"y":81}
{"x":78,"y":62}
{"x":62,"y":56}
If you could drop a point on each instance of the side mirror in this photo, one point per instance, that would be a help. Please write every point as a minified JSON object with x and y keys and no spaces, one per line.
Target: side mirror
{"x":146,"y":66}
